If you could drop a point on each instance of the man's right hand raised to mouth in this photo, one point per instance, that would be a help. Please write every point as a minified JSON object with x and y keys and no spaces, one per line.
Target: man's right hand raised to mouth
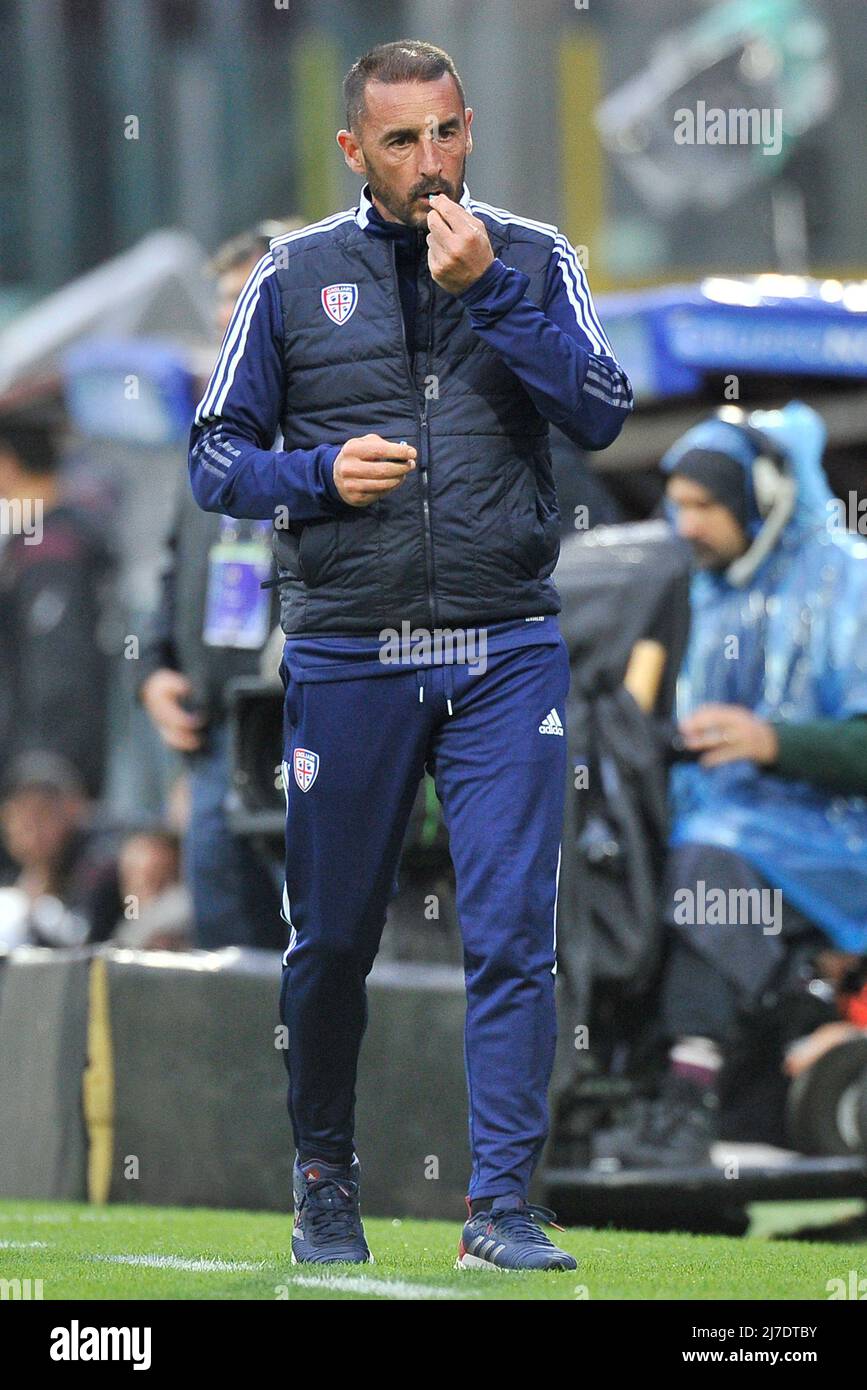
{"x":366,"y":468}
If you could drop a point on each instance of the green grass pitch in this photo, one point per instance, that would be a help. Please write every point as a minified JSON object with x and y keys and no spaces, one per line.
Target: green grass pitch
{"x":136,"y":1252}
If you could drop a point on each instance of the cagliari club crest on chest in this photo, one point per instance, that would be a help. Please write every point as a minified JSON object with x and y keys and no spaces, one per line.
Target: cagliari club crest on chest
{"x":339,"y":302}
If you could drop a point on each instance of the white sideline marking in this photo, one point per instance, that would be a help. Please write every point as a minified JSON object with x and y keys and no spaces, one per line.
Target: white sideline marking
{"x":343,"y":1283}
{"x":47,"y":1218}
{"x":176,"y":1262}
{"x":380,"y":1288}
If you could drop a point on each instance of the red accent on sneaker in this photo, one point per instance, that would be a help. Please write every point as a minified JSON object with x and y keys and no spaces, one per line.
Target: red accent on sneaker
{"x":312,"y":1174}
{"x":692,"y":1071}
{"x":462,"y":1250}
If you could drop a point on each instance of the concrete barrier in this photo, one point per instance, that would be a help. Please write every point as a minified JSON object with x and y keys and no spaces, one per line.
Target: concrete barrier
{"x":159,"y":1078}
{"x":43,"y":1032}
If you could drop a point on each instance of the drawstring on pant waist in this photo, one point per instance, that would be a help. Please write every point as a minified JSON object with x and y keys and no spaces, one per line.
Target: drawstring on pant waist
{"x":447,"y":682}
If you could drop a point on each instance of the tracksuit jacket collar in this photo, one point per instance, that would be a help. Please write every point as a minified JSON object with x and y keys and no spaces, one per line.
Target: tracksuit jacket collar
{"x":371,"y":220}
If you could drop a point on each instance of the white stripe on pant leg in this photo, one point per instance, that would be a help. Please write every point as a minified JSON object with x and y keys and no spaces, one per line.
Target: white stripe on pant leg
{"x":286,"y":913}
{"x":556,"y":896}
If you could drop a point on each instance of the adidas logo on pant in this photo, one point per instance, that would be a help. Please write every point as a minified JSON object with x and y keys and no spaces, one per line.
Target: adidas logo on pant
{"x":551,"y":724}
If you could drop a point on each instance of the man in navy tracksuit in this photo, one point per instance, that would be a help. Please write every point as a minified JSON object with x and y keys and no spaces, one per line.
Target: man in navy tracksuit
{"x":411,"y":352}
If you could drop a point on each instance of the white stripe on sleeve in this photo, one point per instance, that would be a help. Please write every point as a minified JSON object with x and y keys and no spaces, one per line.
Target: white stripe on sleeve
{"x":235,"y":339}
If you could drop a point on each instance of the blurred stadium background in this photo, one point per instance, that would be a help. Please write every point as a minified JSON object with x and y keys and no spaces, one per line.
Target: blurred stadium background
{"x":137,"y":137}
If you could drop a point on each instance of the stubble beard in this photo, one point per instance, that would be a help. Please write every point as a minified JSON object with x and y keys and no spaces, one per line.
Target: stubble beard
{"x":408,"y":210}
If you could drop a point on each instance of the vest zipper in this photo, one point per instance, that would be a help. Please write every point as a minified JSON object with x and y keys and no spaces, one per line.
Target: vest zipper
{"x":423,"y":443}
{"x":425,"y":421}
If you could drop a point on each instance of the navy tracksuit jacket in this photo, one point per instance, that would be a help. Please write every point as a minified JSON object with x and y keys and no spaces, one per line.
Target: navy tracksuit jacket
{"x":360,"y":733}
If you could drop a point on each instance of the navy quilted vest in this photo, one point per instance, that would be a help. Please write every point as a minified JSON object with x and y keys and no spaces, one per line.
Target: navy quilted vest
{"x":472,"y":534}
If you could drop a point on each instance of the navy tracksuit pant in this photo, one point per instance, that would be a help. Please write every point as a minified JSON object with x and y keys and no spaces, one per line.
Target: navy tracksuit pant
{"x":361,"y":746}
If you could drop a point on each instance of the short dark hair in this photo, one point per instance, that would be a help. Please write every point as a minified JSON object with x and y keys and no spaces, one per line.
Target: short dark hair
{"x":406,"y":60}
{"x":30,"y":441}
{"x":40,"y":769}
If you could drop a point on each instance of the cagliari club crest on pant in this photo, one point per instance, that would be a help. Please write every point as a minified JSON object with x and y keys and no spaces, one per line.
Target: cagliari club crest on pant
{"x":306,"y":767}
{"x":339,"y":301}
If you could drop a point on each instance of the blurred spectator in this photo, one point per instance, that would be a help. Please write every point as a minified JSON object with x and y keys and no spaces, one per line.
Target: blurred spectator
{"x":54,"y":570}
{"x":767,"y":872}
{"x":65,"y":889}
{"x":177,"y":811}
{"x":196,"y":646}
{"x":157,"y":908}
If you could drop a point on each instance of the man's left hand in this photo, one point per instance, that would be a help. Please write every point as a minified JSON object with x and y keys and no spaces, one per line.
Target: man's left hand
{"x":459,"y":250}
{"x":728,"y":733}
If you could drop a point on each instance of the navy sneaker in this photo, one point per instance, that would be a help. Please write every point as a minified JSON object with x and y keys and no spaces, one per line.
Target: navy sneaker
{"x":328,"y":1214}
{"x":509,"y":1237}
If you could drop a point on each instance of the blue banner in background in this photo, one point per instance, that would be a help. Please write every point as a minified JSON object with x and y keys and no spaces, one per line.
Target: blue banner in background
{"x":668,"y":339}
{"x":133,"y":389}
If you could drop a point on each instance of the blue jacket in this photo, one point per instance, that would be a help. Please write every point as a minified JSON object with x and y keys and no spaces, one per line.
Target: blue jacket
{"x":798,"y":631}
{"x":318,"y":349}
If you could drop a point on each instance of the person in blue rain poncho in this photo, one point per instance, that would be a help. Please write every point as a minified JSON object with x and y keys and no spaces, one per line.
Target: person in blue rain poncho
{"x":768,"y":863}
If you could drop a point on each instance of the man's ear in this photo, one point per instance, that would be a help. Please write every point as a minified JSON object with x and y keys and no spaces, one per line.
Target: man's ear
{"x":352,"y":151}
{"x":468,"y":118}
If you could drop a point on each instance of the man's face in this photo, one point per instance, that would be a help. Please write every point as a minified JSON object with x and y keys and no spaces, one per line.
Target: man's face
{"x":10,"y":473}
{"x":414,"y":139}
{"x":37,"y":824}
{"x":147,"y":865}
{"x":710,"y":528}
